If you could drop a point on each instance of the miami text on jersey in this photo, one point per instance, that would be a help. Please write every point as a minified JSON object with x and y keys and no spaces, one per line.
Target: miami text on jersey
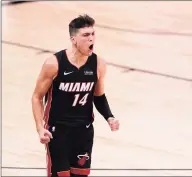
{"x":76,"y":86}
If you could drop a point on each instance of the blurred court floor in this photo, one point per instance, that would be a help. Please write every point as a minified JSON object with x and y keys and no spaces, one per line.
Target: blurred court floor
{"x":147,"y":46}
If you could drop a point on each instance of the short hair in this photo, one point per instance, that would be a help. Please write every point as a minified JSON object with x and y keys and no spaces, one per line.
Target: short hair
{"x":80,"y":22}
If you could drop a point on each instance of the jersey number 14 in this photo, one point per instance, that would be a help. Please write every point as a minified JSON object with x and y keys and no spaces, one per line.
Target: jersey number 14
{"x":79,"y":100}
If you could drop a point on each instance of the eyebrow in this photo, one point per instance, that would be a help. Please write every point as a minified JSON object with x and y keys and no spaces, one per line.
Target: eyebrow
{"x":88,"y":32}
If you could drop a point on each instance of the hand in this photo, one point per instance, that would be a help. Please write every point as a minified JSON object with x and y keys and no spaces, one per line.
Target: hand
{"x":45,"y":135}
{"x":113,"y":123}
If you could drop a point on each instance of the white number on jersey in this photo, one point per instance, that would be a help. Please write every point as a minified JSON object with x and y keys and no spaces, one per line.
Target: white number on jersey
{"x":81,"y":101}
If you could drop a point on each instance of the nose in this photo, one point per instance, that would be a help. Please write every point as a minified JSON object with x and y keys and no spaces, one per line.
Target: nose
{"x":91,"y":38}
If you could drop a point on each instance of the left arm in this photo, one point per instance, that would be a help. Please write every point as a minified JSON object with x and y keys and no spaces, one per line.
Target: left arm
{"x":101,"y":72}
{"x":100,"y":100}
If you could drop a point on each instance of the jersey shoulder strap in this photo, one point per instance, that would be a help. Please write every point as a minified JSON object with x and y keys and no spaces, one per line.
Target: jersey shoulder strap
{"x":94,"y":63}
{"x":59,"y":55}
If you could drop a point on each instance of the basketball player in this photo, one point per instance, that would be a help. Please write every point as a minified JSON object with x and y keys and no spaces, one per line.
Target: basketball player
{"x":72,"y":81}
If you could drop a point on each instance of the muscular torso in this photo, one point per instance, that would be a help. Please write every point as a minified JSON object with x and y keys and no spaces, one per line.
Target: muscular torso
{"x":70,"y":97}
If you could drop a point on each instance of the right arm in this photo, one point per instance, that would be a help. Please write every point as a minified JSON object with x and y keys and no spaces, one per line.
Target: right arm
{"x":47,"y":74}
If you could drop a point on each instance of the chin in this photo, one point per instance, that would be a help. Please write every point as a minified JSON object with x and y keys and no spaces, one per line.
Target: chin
{"x":90,"y":52}
{"x":87,"y":53}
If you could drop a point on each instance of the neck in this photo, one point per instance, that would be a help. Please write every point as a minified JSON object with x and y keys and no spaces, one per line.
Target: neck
{"x":77,"y":56}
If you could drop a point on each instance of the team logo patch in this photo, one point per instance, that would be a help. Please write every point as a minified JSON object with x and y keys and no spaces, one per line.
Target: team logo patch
{"x":53,"y":129}
{"x":82,"y":159}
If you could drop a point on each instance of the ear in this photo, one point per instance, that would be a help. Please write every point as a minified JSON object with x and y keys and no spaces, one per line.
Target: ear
{"x":73,"y":40}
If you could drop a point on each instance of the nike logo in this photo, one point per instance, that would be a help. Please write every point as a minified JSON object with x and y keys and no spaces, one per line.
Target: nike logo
{"x":65,"y":73}
{"x":87,"y":126}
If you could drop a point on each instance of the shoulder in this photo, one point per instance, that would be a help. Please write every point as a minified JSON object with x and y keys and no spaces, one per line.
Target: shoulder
{"x":101,"y":61}
{"x":101,"y":66}
{"x":50,"y":66}
{"x":60,"y":53}
{"x":52,"y":62}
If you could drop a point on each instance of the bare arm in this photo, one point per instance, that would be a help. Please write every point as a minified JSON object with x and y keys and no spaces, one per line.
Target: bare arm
{"x":101,"y":71}
{"x":44,"y":81}
{"x":100,"y":99}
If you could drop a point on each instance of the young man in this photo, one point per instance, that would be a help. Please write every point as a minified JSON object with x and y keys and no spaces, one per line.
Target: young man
{"x":72,"y":80}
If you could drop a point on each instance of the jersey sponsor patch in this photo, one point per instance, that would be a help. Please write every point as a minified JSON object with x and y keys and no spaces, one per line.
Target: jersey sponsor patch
{"x":88,"y":72}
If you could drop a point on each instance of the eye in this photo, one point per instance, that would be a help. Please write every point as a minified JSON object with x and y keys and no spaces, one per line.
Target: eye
{"x":86,"y":34}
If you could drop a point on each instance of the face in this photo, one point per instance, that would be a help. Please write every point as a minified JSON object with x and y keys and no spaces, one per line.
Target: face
{"x":84,"y":40}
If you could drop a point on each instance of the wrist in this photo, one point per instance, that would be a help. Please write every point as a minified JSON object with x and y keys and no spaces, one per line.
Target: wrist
{"x":39,"y":127}
{"x":102,"y":106}
{"x":110,"y":118}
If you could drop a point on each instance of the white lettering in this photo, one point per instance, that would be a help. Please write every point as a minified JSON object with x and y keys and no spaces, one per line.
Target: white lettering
{"x":71,"y":86}
{"x":76,"y":87}
{"x":85,"y":86}
{"x":91,"y":86}
{"x":64,"y":86}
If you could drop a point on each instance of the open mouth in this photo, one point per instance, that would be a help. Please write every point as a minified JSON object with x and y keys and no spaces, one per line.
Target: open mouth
{"x":91,"y":47}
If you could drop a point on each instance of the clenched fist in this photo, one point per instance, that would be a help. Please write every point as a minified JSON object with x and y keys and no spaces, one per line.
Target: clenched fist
{"x":113,"y":123}
{"x":45,"y":135}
